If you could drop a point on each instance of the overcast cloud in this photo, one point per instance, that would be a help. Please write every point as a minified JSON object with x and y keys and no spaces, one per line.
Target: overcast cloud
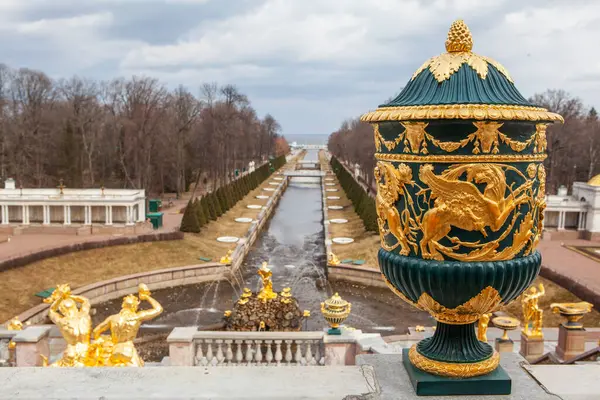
{"x":310,"y":63}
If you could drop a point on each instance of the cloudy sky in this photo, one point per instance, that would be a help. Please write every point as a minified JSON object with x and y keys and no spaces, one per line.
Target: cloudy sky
{"x":310,"y":63}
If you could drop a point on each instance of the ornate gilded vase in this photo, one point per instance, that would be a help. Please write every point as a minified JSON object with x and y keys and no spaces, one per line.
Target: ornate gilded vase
{"x":335,"y":310}
{"x":460,"y":198}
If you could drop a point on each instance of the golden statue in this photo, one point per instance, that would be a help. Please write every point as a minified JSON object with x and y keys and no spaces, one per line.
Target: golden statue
{"x":484,"y":320}
{"x":532,"y":314}
{"x":333,"y":259}
{"x":266,"y":292}
{"x":74,"y":323}
{"x":226,"y":259}
{"x":124,"y":327}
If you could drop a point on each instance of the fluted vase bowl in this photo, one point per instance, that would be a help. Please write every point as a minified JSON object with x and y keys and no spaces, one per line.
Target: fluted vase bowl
{"x":460,"y":200}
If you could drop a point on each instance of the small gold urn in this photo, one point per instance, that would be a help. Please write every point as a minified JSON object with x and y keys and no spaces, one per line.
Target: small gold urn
{"x":335,"y":310}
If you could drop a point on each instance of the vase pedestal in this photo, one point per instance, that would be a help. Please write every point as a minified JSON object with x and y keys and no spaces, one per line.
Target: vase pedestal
{"x":531,"y":347}
{"x":496,"y":382}
{"x":571,"y":342}
{"x":504,"y":345}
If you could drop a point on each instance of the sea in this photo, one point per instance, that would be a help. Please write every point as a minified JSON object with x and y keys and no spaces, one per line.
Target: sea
{"x":318,"y":139}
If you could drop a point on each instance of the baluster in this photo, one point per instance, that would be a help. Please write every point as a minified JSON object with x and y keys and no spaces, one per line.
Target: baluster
{"x":308,"y":355}
{"x":298,"y":355}
{"x":278,"y":354}
{"x":209,"y":353}
{"x":317,"y":353}
{"x":249,"y":351}
{"x":238,"y":353}
{"x":288,"y":351}
{"x":200,"y":359}
{"x":220,"y":356}
{"x":258,"y":356}
{"x":269,"y":351}
{"x":229,"y":352}
{"x":322,"y":348}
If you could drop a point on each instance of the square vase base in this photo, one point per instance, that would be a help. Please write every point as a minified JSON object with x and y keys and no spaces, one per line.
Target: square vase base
{"x":496,"y":382}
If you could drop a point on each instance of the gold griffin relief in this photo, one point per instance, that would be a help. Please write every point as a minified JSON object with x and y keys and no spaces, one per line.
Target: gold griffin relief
{"x":419,"y":219}
{"x":485,"y":139}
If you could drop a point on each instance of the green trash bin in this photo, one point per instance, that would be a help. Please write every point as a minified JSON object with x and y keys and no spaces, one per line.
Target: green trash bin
{"x":156,"y":218}
{"x":154,"y":205}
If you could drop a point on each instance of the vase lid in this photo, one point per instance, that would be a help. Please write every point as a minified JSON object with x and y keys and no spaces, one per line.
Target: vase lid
{"x":460,"y":84}
{"x":335,"y":301}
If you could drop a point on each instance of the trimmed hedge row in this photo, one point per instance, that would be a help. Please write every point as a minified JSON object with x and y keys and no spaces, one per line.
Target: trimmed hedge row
{"x":201,"y":210}
{"x":71,"y":248}
{"x":364,"y":205}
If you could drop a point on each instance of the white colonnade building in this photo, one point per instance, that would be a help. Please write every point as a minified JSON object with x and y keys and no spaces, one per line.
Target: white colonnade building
{"x":576,"y":215}
{"x":66,"y":207}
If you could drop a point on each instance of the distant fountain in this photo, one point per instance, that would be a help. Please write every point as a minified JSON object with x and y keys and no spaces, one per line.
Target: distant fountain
{"x":265,"y":310}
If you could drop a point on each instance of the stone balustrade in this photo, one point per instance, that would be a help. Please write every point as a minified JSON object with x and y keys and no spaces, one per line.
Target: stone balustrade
{"x":187,"y":346}
{"x":190,"y":347}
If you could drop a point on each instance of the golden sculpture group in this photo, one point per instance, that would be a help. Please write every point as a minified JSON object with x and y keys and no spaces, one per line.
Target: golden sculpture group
{"x":71,"y":313}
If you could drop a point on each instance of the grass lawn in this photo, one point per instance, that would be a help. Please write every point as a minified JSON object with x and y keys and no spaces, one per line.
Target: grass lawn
{"x":17,"y":286}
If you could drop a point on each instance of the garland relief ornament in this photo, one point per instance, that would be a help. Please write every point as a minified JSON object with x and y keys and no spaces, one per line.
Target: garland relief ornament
{"x":460,"y":200}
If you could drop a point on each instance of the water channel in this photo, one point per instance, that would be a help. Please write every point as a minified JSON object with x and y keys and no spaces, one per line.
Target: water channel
{"x":292,"y":243}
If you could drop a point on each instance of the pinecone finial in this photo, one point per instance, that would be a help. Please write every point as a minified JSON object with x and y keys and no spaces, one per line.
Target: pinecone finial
{"x":459,"y":37}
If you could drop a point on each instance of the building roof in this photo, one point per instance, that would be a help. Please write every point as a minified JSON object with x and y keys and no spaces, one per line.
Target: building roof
{"x":460,"y":84}
{"x":595,"y":181}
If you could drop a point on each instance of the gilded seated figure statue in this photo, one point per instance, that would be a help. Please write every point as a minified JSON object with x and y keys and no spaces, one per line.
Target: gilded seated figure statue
{"x":124,"y":327}
{"x":74,"y":324}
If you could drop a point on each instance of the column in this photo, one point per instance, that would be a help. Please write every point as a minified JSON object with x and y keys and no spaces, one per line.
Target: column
{"x":46,"y":211}
{"x":67,"y":215}
{"x":5,"y":220}
{"x":108,"y":214}
{"x":141,"y":217}
{"x":25,"y":214}
{"x":130,"y":216}
{"x":87,"y":215}
{"x":561,"y":220}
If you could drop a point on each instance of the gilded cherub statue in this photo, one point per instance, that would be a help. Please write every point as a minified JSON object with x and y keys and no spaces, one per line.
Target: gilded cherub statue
{"x":71,"y":314}
{"x":226,"y":259}
{"x":532,"y":314}
{"x":266,"y":292}
{"x":482,"y":327}
{"x":124,"y":327}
